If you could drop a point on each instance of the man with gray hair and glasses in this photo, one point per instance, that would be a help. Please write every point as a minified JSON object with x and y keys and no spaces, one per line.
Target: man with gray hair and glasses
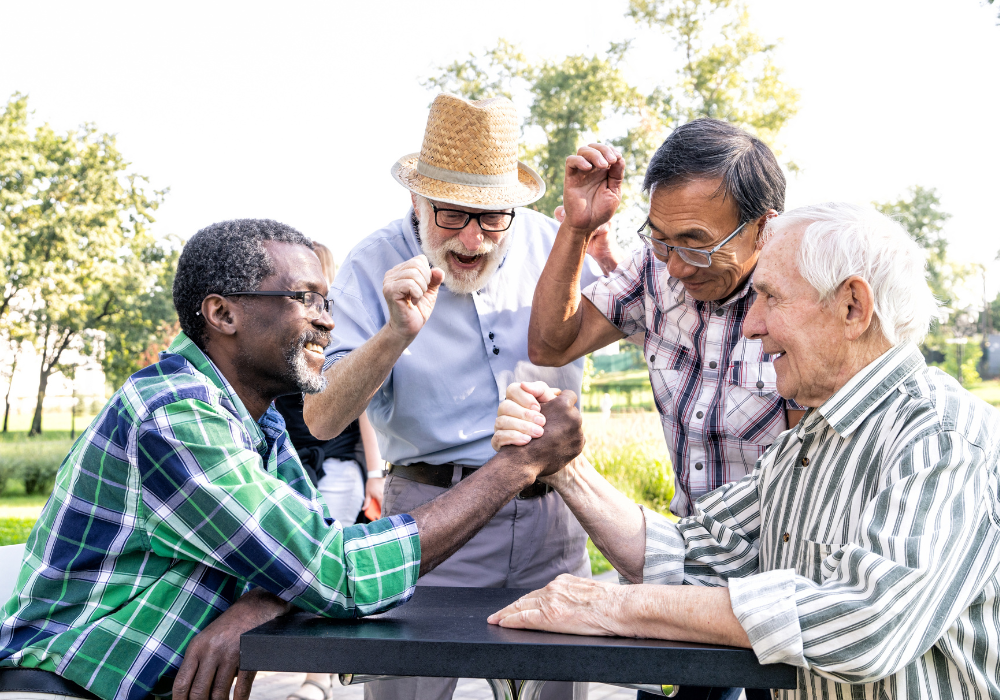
{"x":864,"y":548}
{"x":682,"y":297}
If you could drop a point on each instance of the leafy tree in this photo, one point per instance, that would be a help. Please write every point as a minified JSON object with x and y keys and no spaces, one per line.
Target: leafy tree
{"x":728,"y":73}
{"x":920,"y":214}
{"x":79,"y":259}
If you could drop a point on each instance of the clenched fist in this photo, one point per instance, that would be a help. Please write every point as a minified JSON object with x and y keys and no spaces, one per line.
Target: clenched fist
{"x":410,"y":289}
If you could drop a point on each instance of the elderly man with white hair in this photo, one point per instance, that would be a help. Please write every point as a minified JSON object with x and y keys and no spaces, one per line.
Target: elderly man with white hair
{"x":864,"y":548}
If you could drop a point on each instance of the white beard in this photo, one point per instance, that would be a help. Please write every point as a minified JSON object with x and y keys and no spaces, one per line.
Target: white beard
{"x":461,"y":281}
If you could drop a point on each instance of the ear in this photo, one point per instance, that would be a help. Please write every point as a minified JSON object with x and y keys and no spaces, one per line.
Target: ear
{"x":856,"y":303}
{"x":413,"y":200}
{"x":761,"y":224}
{"x":222,"y":316}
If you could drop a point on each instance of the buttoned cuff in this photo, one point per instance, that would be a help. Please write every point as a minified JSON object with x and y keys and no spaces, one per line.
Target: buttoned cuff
{"x":664,"y":559}
{"x":333,"y":358}
{"x":764,"y":604}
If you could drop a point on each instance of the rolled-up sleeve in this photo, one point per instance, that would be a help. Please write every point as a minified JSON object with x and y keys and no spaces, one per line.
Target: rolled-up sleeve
{"x":926,"y":545}
{"x":209,"y":500}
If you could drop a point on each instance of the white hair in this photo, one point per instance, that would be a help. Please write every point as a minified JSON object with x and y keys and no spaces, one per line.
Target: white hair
{"x":843,"y":240}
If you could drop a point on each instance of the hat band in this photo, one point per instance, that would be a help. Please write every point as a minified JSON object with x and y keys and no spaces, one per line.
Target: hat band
{"x":456,"y":178}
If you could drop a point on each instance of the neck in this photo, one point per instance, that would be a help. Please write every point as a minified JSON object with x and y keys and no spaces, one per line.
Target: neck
{"x":255,"y":398}
{"x":855,"y":360}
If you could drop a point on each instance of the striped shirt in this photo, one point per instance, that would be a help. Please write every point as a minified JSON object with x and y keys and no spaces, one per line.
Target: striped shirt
{"x":865,"y":547}
{"x":168,"y":508}
{"x":715,"y":390}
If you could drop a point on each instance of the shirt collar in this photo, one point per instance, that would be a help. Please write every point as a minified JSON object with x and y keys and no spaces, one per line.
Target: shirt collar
{"x":862,"y":394}
{"x":185,"y":347}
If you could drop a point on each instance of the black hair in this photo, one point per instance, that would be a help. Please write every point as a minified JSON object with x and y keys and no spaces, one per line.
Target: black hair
{"x":223,"y":258}
{"x":714,"y":148}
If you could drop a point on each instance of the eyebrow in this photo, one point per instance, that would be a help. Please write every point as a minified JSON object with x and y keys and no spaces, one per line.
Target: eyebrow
{"x":765,"y":288}
{"x":694,"y":233}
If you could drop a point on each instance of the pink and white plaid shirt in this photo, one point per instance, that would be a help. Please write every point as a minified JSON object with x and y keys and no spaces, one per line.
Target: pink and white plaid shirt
{"x":715,"y":390}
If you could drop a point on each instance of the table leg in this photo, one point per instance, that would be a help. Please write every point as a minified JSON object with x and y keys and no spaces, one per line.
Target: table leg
{"x":503,"y":688}
{"x":530,"y":690}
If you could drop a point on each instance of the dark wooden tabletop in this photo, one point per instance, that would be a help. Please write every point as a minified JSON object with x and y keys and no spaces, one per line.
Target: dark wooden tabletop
{"x":443,"y":632}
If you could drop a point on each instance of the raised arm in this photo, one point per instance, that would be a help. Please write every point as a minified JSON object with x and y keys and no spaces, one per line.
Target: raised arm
{"x":410,"y":289}
{"x":563,"y":328}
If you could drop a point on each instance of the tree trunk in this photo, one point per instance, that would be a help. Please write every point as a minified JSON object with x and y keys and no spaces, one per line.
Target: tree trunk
{"x":36,"y":421}
{"x":10,"y":387}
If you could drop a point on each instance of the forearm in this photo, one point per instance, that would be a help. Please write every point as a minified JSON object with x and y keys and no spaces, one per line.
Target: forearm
{"x":451,"y":519}
{"x":373,"y":459}
{"x":351,"y":383}
{"x":679,"y":613}
{"x":556,"y":316}
{"x":613,"y":521}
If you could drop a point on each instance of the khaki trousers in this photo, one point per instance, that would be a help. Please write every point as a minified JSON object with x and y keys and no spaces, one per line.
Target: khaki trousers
{"x":526,"y":545}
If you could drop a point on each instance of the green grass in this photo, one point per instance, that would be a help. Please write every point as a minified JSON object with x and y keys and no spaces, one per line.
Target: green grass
{"x":988,"y":391}
{"x":15,"y":530}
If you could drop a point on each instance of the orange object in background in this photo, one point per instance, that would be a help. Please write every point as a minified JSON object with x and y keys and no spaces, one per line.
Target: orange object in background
{"x":374,"y":510}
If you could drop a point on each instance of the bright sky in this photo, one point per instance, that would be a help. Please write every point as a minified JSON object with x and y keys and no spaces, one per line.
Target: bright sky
{"x":295,"y":111}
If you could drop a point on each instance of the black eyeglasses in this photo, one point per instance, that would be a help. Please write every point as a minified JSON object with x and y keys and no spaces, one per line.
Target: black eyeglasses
{"x":455,"y":219}
{"x":316,"y":304}
{"x":692,"y":256}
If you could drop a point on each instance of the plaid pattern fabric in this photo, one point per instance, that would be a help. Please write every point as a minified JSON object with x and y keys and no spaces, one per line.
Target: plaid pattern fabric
{"x":714,"y":389}
{"x":167,"y":509}
{"x":865,"y":547}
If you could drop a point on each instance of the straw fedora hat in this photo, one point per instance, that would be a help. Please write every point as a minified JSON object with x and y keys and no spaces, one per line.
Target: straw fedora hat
{"x":469,"y":156}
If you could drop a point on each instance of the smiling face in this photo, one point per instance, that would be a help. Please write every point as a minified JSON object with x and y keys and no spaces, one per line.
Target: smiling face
{"x":468,"y":256}
{"x":807,"y":336}
{"x":693,"y":214}
{"x":283,"y":348}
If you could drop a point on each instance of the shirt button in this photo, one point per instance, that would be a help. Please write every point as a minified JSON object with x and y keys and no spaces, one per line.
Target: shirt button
{"x":713,"y":364}
{"x":652,"y":358}
{"x":805,"y":461}
{"x":719,"y":312}
{"x":699,"y":414}
{"x":760,"y":385}
{"x":699,"y":466}
{"x":491,"y":336}
{"x":785,"y":537}
{"x":496,"y":350}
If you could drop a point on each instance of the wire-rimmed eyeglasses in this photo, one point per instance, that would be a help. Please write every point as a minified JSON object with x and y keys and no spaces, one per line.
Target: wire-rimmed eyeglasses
{"x":316,"y":304}
{"x":692,"y":256}
{"x":456,"y":219}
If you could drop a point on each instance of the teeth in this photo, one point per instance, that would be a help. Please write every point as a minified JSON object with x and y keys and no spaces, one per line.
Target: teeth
{"x":313,"y":347}
{"x":776,"y":356}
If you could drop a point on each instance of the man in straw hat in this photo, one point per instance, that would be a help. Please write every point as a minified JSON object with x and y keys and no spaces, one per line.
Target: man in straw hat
{"x":432,"y":382}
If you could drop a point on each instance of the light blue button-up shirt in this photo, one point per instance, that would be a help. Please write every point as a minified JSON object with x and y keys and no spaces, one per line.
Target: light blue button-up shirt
{"x":440,"y":401}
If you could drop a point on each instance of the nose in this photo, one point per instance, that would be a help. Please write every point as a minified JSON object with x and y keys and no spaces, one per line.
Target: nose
{"x":678,"y":268}
{"x":325,"y":321}
{"x":471,"y":236}
{"x":754,"y":326}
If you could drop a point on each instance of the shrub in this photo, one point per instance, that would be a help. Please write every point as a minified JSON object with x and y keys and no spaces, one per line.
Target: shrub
{"x":15,"y":530}
{"x":35,"y":462}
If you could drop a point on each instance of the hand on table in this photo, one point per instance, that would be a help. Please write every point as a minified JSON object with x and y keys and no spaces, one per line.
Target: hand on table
{"x":212,"y":659}
{"x":410,"y":289}
{"x":570,"y":605}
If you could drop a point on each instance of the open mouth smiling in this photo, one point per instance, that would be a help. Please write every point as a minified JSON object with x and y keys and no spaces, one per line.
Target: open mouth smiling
{"x":466,"y":260}
{"x":314,"y":347}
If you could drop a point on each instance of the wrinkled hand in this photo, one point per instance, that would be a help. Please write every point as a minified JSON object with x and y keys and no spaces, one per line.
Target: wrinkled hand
{"x":592,"y":189}
{"x":563,"y":438}
{"x":519,"y":417}
{"x":570,"y":605}
{"x":212,"y":659}
{"x":601,"y":246}
{"x":410,"y":289}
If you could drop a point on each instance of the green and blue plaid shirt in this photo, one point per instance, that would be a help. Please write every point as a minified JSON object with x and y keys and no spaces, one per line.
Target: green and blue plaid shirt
{"x":168,"y":508}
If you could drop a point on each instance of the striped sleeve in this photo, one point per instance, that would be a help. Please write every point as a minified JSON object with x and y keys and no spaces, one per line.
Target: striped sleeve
{"x":719,"y":542}
{"x":927,"y":542}
{"x":621,"y":295}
